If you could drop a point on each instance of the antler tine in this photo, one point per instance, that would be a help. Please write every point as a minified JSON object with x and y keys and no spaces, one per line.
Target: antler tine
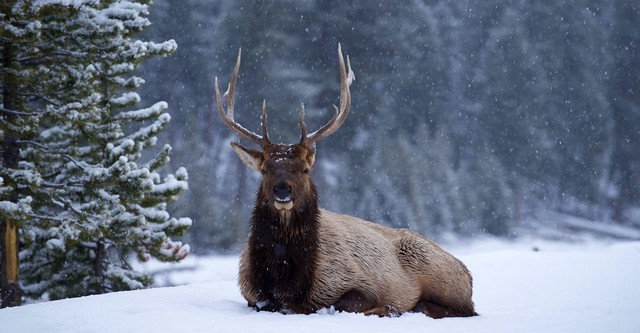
{"x":303,"y":126}
{"x":228,"y":118}
{"x":346,"y":78}
{"x":265,"y":134}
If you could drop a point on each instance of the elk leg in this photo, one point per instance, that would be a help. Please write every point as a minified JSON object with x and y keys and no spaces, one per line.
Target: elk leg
{"x":437,"y":311}
{"x":384,"y":311}
{"x":354,"y":301}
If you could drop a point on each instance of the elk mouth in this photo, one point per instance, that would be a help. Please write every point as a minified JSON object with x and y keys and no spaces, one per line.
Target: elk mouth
{"x":283,"y":204}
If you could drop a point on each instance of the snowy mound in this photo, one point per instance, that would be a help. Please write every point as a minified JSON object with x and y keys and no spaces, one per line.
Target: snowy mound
{"x":518,"y":288}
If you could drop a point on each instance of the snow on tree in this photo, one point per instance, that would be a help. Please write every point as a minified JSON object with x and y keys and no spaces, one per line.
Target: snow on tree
{"x":89,"y":193}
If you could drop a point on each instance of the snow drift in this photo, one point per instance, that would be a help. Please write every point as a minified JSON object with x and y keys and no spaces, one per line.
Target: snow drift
{"x":521,"y":287}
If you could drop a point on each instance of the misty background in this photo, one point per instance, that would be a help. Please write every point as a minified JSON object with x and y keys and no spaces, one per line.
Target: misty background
{"x":468,"y":117}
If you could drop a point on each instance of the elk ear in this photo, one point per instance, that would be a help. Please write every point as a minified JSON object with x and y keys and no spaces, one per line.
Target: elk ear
{"x":252,"y":158}
{"x":311,"y":157}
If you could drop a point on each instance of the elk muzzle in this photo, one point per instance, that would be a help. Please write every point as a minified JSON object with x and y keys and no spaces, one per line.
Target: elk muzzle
{"x":282,"y":196}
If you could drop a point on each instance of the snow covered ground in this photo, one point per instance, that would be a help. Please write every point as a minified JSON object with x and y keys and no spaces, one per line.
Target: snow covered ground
{"x":527,"y":286}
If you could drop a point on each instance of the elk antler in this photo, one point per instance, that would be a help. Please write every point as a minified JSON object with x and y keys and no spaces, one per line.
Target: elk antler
{"x":263,"y":140}
{"x":346,"y":78}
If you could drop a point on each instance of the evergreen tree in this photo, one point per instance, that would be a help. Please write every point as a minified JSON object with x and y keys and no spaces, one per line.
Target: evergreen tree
{"x":92,"y":193}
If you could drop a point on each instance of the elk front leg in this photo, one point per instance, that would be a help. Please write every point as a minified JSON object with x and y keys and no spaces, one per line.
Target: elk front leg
{"x":384,"y":311}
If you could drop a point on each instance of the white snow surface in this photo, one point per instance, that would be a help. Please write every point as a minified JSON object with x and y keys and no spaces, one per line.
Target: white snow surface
{"x":529,"y":286}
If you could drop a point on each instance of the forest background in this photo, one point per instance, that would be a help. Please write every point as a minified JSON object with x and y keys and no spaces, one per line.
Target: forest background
{"x":468,"y":117}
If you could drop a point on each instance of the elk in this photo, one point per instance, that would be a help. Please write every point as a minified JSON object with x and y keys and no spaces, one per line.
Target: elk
{"x":300,"y":258}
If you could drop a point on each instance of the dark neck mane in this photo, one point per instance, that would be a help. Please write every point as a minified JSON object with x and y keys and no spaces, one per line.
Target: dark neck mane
{"x":283,"y":250}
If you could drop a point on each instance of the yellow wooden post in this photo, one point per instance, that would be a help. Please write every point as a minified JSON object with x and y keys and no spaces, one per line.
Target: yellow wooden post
{"x":11,"y":294}
{"x":11,"y":252}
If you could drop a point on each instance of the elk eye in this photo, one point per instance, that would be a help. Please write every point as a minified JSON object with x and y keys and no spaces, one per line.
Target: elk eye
{"x":306,"y":170}
{"x":263,"y":171}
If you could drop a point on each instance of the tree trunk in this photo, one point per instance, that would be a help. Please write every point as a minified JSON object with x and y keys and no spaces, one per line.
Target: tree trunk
{"x":98,"y":266}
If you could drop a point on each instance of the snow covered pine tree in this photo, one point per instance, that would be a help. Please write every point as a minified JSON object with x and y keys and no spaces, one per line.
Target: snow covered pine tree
{"x":85,"y":195}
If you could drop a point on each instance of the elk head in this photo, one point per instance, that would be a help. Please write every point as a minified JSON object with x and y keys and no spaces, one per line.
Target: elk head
{"x":285,"y":168}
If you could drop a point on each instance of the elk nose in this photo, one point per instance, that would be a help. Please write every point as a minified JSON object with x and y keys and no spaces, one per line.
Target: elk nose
{"x":282,"y":191}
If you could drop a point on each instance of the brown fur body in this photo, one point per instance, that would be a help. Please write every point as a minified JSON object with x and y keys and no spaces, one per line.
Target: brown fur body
{"x":300,"y":258}
{"x":357,"y":266}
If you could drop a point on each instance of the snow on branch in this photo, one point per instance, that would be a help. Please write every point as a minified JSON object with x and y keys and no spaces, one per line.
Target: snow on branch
{"x":174,"y":249}
{"x":22,"y":207}
{"x":128,"y":98}
{"x":37,"y":5}
{"x":148,"y":134}
{"x":143,"y":114}
{"x":140,"y":49}
{"x":160,"y":159}
{"x":173,"y":183}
